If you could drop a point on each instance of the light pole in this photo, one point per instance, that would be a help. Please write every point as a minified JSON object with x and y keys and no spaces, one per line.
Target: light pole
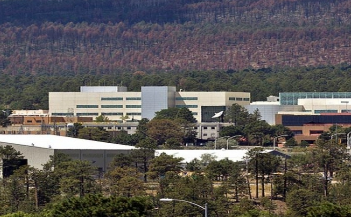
{"x":216,"y":143}
{"x":216,"y":139}
{"x":275,"y":138}
{"x":232,"y":137}
{"x":195,"y":204}
{"x":336,"y":137}
{"x":348,"y":146}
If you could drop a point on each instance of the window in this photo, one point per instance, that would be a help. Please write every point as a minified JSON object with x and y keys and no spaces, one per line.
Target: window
{"x":133,"y":98}
{"x":111,"y":113}
{"x":239,"y":99}
{"x":316,"y":132}
{"x":87,"y":114}
{"x":325,"y":111}
{"x":29,"y":121}
{"x":205,"y":134}
{"x":38,"y":121}
{"x":205,"y":128}
{"x":63,"y":114}
{"x":213,"y":128}
{"x":186,"y":106}
{"x":133,"y":113}
{"x":111,"y":98}
{"x":186,"y":98}
{"x":133,"y":106}
{"x":111,"y":106}
{"x":194,"y":113}
{"x":87,"y":106}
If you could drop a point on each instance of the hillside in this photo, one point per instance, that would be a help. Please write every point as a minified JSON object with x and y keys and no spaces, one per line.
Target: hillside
{"x":107,"y":36}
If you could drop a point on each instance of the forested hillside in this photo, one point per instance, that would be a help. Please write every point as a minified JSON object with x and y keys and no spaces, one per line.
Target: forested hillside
{"x":27,"y":91}
{"x":110,"y":36}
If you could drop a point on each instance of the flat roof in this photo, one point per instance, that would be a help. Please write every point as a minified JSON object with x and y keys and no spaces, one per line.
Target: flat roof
{"x":220,"y":154}
{"x":60,"y":142}
{"x":235,"y":155}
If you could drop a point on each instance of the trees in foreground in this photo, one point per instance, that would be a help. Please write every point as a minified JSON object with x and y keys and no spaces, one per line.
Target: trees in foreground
{"x":313,"y":183}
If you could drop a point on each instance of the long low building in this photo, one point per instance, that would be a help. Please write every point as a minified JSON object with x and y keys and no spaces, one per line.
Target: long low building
{"x":237,"y":155}
{"x":37,"y":149}
{"x":189,"y":155}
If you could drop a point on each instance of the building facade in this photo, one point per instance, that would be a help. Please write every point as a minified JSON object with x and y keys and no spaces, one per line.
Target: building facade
{"x":310,"y":126}
{"x":117,"y":104}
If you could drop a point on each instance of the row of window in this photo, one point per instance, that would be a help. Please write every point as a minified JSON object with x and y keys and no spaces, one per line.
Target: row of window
{"x":96,"y":114}
{"x":239,"y":99}
{"x":230,"y":98}
{"x":119,"y":98}
{"x":186,"y":106}
{"x":186,"y":98}
{"x":108,"y":106}
{"x":63,"y":114}
{"x":291,"y":98}
{"x":325,"y":111}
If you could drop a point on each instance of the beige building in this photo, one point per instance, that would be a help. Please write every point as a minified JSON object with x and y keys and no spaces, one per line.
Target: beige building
{"x":117,"y":104}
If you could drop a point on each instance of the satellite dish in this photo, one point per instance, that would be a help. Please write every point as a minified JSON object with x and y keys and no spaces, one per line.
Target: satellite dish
{"x":217,"y":115}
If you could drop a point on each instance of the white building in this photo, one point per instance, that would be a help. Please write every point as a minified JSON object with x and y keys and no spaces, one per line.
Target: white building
{"x":268,"y":109}
{"x":116,"y":103}
{"x":37,"y":149}
{"x":302,"y":103}
{"x":219,"y":154}
{"x":236,"y":155}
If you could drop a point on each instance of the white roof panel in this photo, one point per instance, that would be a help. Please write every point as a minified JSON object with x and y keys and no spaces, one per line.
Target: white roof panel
{"x":60,"y":142}
{"x":189,"y":155}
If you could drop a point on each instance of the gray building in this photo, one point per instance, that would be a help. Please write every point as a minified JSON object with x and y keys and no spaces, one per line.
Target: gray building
{"x":154,"y":99}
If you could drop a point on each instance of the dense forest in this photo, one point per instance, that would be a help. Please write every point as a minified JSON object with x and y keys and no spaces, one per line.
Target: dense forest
{"x":26,"y":91}
{"x":106,"y":37}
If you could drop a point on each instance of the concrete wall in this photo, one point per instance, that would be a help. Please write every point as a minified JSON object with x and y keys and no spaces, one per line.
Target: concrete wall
{"x":98,"y":158}
{"x":36,"y":156}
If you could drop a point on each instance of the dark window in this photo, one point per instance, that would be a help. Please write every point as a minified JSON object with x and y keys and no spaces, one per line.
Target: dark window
{"x":133,"y":106}
{"x":87,"y":106}
{"x":208,"y":112}
{"x":133,"y":98}
{"x":111,"y":98}
{"x":111,"y":106}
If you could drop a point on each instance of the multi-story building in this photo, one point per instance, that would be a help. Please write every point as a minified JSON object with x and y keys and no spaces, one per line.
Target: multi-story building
{"x":307,"y":114}
{"x":309,"y":127}
{"x":117,"y":104}
{"x":302,"y":103}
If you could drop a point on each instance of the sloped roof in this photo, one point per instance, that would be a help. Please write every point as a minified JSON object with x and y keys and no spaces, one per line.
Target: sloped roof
{"x":60,"y":142}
